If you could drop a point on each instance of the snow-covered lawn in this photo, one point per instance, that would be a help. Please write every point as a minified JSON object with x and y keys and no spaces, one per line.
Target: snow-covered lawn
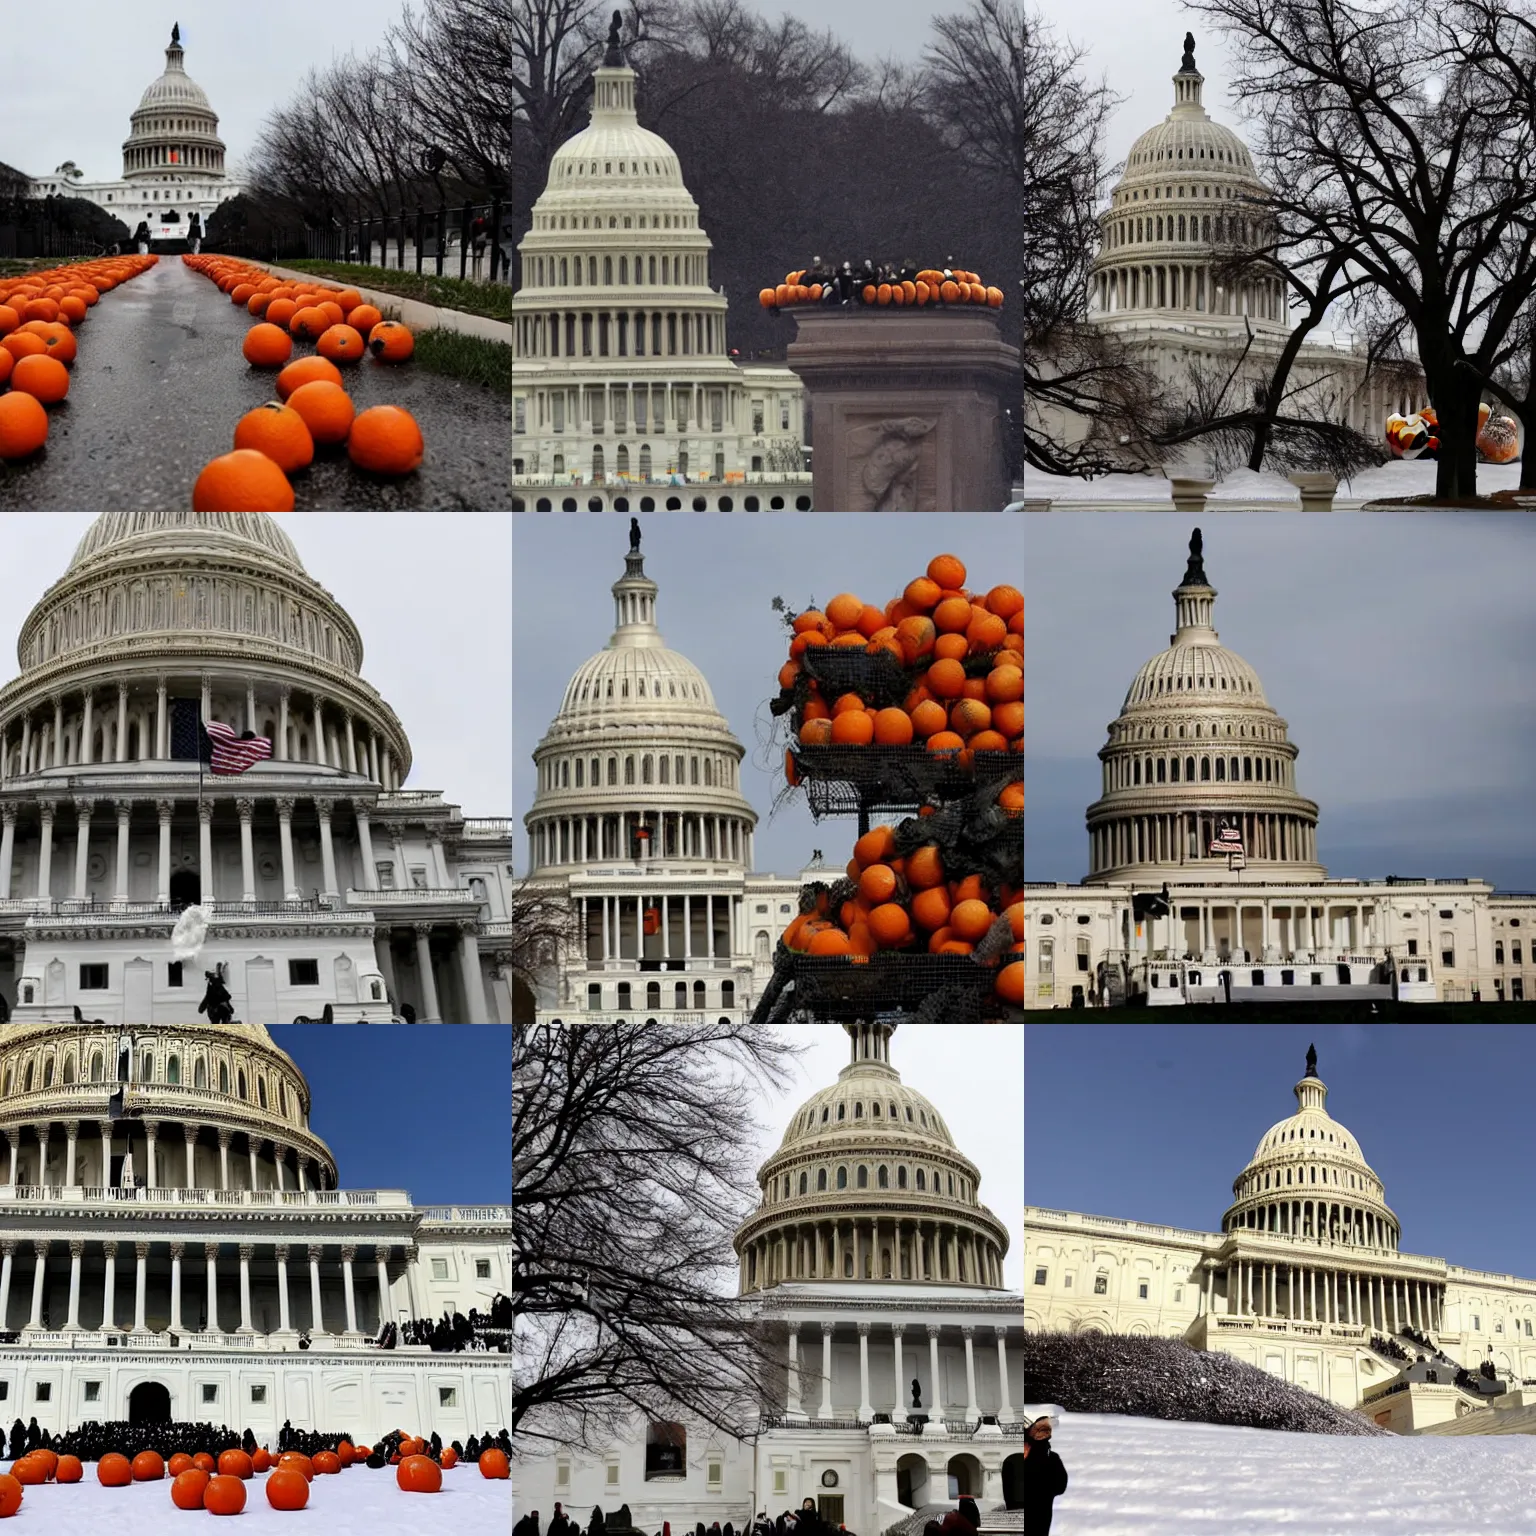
{"x":1152,"y":1477}
{"x":357,"y":1502}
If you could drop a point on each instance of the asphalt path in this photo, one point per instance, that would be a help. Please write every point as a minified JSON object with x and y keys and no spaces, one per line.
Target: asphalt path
{"x":159,"y":384}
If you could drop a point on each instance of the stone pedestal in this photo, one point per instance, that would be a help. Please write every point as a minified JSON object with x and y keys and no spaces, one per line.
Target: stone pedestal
{"x":1317,"y":490}
{"x":906,"y":408}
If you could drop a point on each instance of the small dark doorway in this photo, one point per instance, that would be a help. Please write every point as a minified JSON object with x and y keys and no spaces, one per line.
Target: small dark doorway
{"x":186,"y":888}
{"x":149,"y":1403}
{"x":1013,"y":1482}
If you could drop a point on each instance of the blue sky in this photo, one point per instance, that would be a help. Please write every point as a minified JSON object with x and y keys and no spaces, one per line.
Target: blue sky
{"x":1396,"y":646}
{"x":422,"y":1107}
{"x":1152,"y":1122}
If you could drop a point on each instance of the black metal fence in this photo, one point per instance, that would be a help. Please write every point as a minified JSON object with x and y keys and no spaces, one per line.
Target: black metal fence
{"x":467,"y":241}
{"x":41,"y":238}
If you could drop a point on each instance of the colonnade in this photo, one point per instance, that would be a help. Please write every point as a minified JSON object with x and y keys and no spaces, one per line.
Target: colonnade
{"x":1331,"y":1220}
{"x":76,"y":727}
{"x":874,"y":1248}
{"x":150,"y":157}
{"x":169,"y":1305}
{"x":1279,"y":930}
{"x":1188,"y":286}
{"x":687,"y":927}
{"x":935,"y":1408}
{"x":612,"y":837}
{"x":1185,"y":837}
{"x":1264,"y":1288}
{"x":605,"y":331}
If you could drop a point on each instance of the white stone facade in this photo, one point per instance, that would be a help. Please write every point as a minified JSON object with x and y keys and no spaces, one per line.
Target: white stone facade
{"x":325,"y":880}
{"x":621,"y":374}
{"x":189,"y":1242}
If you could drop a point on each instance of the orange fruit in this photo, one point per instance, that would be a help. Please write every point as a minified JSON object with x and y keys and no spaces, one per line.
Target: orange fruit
{"x":23,"y":425}
{"x":876,"y":845}
{"x":493,"y":1463}
{"x":69,"y":1470}
{"x":450,"y":1456}
{"x":1009,"y":717}
{"x":985,"y":632}
{"x":830,"y":941}
{"x":267,"y":346}
{"x":386,"y":440}
{"x":297,"y":1461}
{"x":970,"y":919}
{"x":325,"y":1463}
{"x":241,"y":292}
{"x":234,"y":1463}
{"x":915,"y":635}
{"x":225,"y":1494}
{"x":40,"y":309}
{"x":1005,"y":601}
{"x":989,"y":741}
{"x":113,"y":1471}
{"x":925,"y":867}
{"x":947,"y":571}
{"x":278,"y":431}
{"x":952,"y":615}
{"x":391,"y":342}
{"x":188,"y":1487}
{"x":890,"y":925}
{"x":10,"y":318}
{"x":946,"y":679}
{"x":945,"y":741}
{"x":930,"y":908}
{"x":920,"y":595}
{"x":853,"y":728}
{"x":1005,"y":684}
{"x":871,"y":621}
{"x":847,"y":702}
{"x":419,"y":1474}
{"x":22,"y":344}
{"x":10,"y":1494}
{"x":877,"y":884}
{"x":928,"y":717}
{"x":44,"y":378}
{"x":280,"y":311}
{"x":816,"y":733}
{"x":1010,"y":983}
{"x":242,"y":481}
{"x":341,"y":344}
{"x":845,"y":610}
{"x":7,"y":362}
{"x":326,"y":409}
{"x":363,"y":318}
{"x":970,"y":716}
{"x":29,"y":1471}
{"x":951,"y":647}
{"x":148,"y":1467}
{"x":812,"y":618}
{"x":309,"y":323}
{"x":203,"y":1462}
{"x":1012,"y":797}
{"x":893,"y":727}
{"x":307,"y":370}
{"x":58,"y":340}
{"x":178,"y":1464}
{"x":287,"y":1489}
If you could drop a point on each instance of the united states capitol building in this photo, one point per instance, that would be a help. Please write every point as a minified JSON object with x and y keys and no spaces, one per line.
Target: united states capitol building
{"x":1201,"y":796}
{"x":1306,"y":1279}
{"x":640,"y":824}
{"x":173,"y":159}
{"x":326,"y":883}
{"x":873,"y":1258}
{"x":176,"y":1246}
{"x":622,"y":381}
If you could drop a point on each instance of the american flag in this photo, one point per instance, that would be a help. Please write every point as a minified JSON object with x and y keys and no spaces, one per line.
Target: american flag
{"x":234,"y":754}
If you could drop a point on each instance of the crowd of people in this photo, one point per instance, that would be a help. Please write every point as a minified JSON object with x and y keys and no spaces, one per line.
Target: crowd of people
{"x":453,"y":1332}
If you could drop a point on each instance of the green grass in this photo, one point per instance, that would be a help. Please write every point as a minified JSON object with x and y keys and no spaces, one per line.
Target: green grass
{"x":20,"y":266}
{"x":470,"y":358}
{"x":493,"y":300}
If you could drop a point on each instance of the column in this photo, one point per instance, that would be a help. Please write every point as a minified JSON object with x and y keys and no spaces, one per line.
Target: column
{"x":122,"y":723}
{"x":83,"y":804}
{"x":1005,"y":1405}
{"x":316,"y":1324}
{"x":284,"y":1323}
{"x":385,"y":955}
{"x":825,"y":1410}
{"x":76,"y":1250}
{"x":42,"y":1156}
{"x":280,"y":746}
{"x":39,"y":1263}
{"x":247,"y":809}
{"x":191,"y":1183}
{"x":108,"y":1291}
{"x":211,"y":1251}
{"x":151,"y":1172}
{"x":45,"y":853}
{"x":205,"y":851}
{"x":246,"y":1250}
{"x":402,"y":875}
{"x":327,"y":849}
{"x":936,"y":1407}
{"x":162,"y":741}
{"x":381,"y":1258}
{"x":279,"y":1159}
{"x":365,"y":841}
{"x":972,"y":1412}
{"x":866,"y":1412}
{"x":8,"y":1248}
{"x":899,"y":1411}
{"x":347,"y":1255}
{"x":72,"y":1133}
{"x":177,"y":1250}
{"x":285,"y":839}
{"x":140,"y":1280}
{"x":440,"y":859}
{"x":469,"y":969}
{"x":105,"y":1127}
{"x":87,"y":753}
{"x":250,"y":1147}
{"x":351,"y":746}
{"x":7,"y":850}
{"x":224,"y":1140}
{"x":428,"y":981}
{"x":319,"y":733}
{"x":792,"y":1399}
{"x":250,"y":707}
{"x":165,"y":809}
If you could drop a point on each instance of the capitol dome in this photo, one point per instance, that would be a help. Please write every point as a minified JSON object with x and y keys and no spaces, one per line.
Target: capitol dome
{"x":174,"y":131}
{"x":1309,"y":1179}
{"x":868,"y":1184}
{"x":145,"y":530}
{"x":1188,"y":194}
{"x":638,"y":761}
{"x":1199,"y":770}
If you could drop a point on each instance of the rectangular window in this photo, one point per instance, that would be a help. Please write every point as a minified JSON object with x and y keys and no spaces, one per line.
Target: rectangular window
{"x":439,"y":1269}
{"x":714,"y":1474}
{"x":93,"y":1391}
{"x":1100,"y":1285}
{"x":1178,"y":1293}
{"x":613,"y":1474}
{"x":258,"y":1394}
{"x":1039,"y":1277}
{"x":210,"y":1392}
{"x":757,"y":418}
{"x":519,"y":415}
{"x":5,"y":1390}
{"x":1514,"y":951}
{"x":780,"y":1479}
{"x":173,"y":973}
{"x":1477,"y":1323}
{"x":562,"y":1474}
{"x":93,"y":978}
{"x":447,"y":1397}
{"x":386,"y":876}
{"x":1141,"y":1290}
{"x":418,"y":877}
{"x":44,"y":1392}
{"x":1066,"y":1281}
{"x":1413,"y":946}
{"x":482,"y":1269}
{"x":784,"y":414}
{"x":303,"y":973}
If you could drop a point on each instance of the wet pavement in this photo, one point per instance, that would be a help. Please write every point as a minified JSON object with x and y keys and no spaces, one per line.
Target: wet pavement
{"x":160,"y":383}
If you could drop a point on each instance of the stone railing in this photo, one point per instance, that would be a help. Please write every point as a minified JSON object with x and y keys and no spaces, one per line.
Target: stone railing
{"x":404,"y":797}
{"x":264,"y":1199}
{"x":413,"y":896}
{"x":486,"y":828}
{"x":1118,"y":1225}
{"x":464,"y":1213}
{"x":251,"y":1342}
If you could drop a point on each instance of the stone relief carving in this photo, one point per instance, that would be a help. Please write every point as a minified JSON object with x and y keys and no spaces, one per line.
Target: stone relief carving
{"x":885,"y":461}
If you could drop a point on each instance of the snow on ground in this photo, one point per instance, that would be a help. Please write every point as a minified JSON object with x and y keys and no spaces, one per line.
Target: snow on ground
{"x":1154,"y":1477}
{"x":1400,"y":477}
{"x":359,"y":1501}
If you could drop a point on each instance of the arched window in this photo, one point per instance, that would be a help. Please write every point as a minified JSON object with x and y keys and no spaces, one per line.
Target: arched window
{"x":805,"y":1183}
{"x":173,"y":1070}
{"x":842,"y":1173}
{"x":863,"y":1177}
{"x":858,"y":1111}
{"x":223,"y":1077}
{"x":27,"y":1087}
{"x":821,"y":1177}
{"x":69,"y":1069}
{"x":48,"y":1072}
{"x":901,"y":1178}
{"x":882,"y":1179}
{"x":841,"y":1111}
{"x":200,"y":1073}
{"x":240,"y":1082}
{"x":95,"y":1071}
{"x":282,"y":1097}
{"x":261,"y":1091}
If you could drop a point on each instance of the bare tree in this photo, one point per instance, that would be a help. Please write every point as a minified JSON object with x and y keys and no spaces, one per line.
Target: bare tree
{"x":1403,"y":138}
{"x":632,"y":1163}
{"x":544,"y":930}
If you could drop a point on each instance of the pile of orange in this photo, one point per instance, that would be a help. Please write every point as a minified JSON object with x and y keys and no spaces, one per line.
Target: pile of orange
{"x":913,"y":903}
{"x":931,"y":288}
{"x":38,"y":316}
{"x":963,"y":653}
{"x":313,"y":405}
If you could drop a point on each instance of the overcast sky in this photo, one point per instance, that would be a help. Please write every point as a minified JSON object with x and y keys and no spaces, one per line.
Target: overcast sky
{"x":973,"y":1074}
{"x":428,"y":593}
{"x":1396,"y":646}
{"x":1147,"y":1122}
{"x":75,"y":75}
{"x":718,"y":574}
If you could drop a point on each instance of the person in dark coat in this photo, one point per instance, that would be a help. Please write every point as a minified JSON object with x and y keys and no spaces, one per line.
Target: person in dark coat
{"x":1045,"y":1477}
{"x":970,"y":1513}
{"x":558,"y":1524}
{"x":18,"y":1440}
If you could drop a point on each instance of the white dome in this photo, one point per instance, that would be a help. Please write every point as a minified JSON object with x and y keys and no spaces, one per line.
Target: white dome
{"x":1193,"y":666}
{"x":259,"y":530}
{"x":175,"y":87}
{"x":630,"y":681}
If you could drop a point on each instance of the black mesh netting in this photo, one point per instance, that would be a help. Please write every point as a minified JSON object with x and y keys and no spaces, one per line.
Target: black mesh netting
{"x":1166,"y":1379}
{"x":975,"y":836}
{"x":880,"y":680}
{"x":835,"y":988}
{"x":841,"y":779}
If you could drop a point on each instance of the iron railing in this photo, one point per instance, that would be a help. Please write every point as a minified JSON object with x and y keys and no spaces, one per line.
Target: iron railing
{"x":468,"y":236}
